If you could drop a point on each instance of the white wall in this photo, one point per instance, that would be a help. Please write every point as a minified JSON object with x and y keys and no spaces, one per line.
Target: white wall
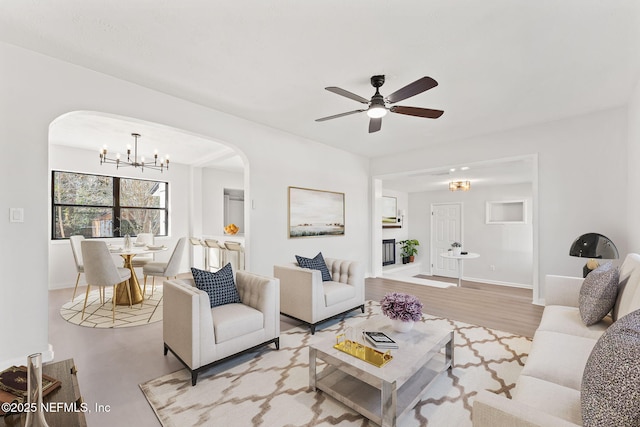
{"x":582,"y":185}
{"x":633,"y":160}
{"x":214,"y":183}
{"x":507,"y":247}
{"x":61,"y":265}
{"x":37,"y":89}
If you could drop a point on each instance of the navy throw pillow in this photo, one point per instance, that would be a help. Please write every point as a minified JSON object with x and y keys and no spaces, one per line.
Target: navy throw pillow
{"x":220,"y":285}
{"x":316,"y":263}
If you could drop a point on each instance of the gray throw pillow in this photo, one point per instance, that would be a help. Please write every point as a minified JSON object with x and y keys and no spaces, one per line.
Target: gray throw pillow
{"x":220,"y":285}
{"x":598,"y":293}
{"x":610,"y":391}
{"x":316,"y":263}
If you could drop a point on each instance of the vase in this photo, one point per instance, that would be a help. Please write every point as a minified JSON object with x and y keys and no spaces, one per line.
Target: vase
{"x":400,"y":326}
{"x":456,"y":251}
{"x":35,"y":414}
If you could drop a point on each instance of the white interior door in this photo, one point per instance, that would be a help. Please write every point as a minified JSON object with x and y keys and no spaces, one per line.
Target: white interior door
{"x":446,"y":228}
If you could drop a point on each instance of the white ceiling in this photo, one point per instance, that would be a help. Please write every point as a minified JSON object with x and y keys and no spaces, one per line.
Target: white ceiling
{"x":500,"y":64}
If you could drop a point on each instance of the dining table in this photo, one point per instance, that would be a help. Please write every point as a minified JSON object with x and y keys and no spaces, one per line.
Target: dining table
{"x":122,"y":297}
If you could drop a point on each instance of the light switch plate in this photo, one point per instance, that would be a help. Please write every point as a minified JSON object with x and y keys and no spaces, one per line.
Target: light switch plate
{"x":16,"y":214}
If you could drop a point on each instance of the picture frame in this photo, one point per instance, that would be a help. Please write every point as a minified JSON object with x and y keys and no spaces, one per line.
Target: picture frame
{"x":315,"y":213}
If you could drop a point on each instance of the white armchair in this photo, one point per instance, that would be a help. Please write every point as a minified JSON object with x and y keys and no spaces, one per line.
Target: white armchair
{"x":201,"y":336}
{"x":306,"y":298}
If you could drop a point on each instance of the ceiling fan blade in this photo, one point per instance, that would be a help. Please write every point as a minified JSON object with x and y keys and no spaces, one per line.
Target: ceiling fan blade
{"x":335,"y":116}
{"x":375,"y":125}
{"x":418,"y":112}
{"x":347,"y":94}
{"x":412,"y":89}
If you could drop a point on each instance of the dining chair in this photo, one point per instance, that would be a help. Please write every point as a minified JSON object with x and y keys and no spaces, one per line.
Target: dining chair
{"x":196,"y":242}
{"x":164,"y":269}
{"x":142,"y":259}
{"x":77,"y":257}
{"x":100,"y":270}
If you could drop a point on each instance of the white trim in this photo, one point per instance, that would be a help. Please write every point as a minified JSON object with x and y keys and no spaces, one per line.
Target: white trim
{"x":498,"y":283}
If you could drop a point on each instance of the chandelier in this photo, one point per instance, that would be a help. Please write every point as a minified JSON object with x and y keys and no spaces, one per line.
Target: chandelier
{"x":459,"y":185}
{"x":156,"y":165}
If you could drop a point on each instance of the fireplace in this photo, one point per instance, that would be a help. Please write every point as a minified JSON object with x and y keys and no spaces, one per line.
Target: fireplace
{"x":388,"y":252}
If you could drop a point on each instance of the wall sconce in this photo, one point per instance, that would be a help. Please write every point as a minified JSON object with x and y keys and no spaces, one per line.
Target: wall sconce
{"x":459,"y":185}
{"x":401,"y":214}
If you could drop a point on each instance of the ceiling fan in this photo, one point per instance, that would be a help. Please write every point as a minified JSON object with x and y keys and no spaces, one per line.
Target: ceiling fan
{"x":379,"y":105}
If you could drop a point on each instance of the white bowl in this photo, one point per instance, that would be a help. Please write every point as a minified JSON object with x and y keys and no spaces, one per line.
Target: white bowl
{"x":155,"y":247}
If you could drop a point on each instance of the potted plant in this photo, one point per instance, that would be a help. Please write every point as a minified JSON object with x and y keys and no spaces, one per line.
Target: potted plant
{"x":409,"y":250}
{"x":456,"y":248}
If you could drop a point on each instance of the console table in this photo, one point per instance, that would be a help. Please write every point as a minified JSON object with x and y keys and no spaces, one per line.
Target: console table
{"x":68,"y":393}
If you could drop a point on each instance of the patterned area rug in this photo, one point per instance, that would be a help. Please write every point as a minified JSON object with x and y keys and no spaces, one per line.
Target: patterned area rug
{"x":99,"y":315}
{"x":270,"y":388}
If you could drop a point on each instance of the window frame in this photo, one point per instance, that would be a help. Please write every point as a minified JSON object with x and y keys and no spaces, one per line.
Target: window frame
{"x":116,"y":206}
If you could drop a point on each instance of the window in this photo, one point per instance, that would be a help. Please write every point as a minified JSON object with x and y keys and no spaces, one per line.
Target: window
{"x":107,"y":206}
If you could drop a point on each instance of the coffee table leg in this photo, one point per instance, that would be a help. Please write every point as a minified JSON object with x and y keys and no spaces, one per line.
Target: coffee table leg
{"x":388,"y":404}
{"x":312,"y":369}
{"x":449,"y":352}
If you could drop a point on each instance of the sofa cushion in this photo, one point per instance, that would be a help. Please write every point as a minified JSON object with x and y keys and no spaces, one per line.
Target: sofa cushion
{"x":598,"y":293}
{"x":235,"y":320}
{"x":220,"y":285}
{"x":315,"y":263}
{"x":558,"y":358}
{"x":336,"y":292}
{"x":548,"y":397}
{"x":567,"y":320}
{"x":610,"y":392}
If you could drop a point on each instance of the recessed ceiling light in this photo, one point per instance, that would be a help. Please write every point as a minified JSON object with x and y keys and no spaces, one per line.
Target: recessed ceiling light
{"x":464,"y":168}
{"x":452,"y":170}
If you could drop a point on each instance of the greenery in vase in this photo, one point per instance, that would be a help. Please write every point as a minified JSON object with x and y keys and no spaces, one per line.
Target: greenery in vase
{"x":456,"y":245}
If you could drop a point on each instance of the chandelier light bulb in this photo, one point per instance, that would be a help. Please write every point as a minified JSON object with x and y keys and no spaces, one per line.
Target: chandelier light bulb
{"x":132,"y":160}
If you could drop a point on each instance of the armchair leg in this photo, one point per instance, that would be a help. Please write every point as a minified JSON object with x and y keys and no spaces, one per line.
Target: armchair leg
{"x":362,"y":308}
{"x":194,"y":378}
{"x":166,"y":349}
{"x":277,"y":343}
{"x":313,"y":329}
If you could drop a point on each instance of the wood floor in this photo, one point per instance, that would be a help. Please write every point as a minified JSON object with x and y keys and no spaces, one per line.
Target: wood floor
{"x":498,"y":307}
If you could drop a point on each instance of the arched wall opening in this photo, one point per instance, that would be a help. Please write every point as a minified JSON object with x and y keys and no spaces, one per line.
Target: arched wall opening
{"x":201,"y":169}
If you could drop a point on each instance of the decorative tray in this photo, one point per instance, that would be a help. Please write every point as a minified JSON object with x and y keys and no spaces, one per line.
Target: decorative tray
{"x":362,"y":352}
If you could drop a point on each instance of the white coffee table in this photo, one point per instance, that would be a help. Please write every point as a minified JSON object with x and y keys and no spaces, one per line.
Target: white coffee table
{"x":383,"y":394}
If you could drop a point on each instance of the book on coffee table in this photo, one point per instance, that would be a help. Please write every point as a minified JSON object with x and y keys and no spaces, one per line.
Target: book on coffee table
{"x":379,"y":339}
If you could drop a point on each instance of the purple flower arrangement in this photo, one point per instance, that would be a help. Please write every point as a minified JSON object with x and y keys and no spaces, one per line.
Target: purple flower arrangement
{"x":400,"y":306}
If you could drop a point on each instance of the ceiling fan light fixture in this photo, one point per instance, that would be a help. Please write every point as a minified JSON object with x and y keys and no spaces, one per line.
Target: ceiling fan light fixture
{"x":376,"y":111}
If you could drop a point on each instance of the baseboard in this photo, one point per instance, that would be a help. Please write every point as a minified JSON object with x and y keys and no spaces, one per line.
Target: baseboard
{"x":497,"y":282}
{"x":47,"y":356}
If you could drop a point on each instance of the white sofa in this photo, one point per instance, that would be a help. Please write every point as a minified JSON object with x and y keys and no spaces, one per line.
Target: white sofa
{"x":201,"y":336}
{"x":305,"y":297}
{"x":547,"y":392}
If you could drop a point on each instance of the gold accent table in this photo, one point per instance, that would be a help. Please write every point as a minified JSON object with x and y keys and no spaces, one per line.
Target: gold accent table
{"x":383,"y":394}
{"x":122,"y":298}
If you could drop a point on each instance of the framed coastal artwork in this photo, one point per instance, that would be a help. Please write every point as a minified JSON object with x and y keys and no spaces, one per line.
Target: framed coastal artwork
{"x":314,"y":213}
